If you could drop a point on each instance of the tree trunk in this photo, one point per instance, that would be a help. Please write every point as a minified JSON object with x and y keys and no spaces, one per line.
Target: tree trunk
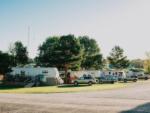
{"x":66,"y":70}
{"x":67,"y":76}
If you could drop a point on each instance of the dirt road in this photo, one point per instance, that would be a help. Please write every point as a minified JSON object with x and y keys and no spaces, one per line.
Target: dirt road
{"x":134,"y":99}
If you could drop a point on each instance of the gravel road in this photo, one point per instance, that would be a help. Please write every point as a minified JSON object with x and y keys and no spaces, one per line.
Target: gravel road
{"x":133,"y":99}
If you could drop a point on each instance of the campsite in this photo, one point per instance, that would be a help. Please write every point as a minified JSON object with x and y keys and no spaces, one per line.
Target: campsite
{"x":74,"y":56}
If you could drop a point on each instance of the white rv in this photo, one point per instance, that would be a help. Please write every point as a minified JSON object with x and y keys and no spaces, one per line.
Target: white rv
{"x":93,"y":73}
{"x":120,"y":74}
{"x":50,"y":76}
{"x":135,"y":73}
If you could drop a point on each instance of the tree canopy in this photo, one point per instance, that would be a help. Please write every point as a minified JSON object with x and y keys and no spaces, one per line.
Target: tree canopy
{"x":6,"y":62}
{"x":49,"y":52}
{"x":92,"y":59}
{"x":71,"y":52}
{"x":117,"y":59}
{"x":19,"y":52}
{"x":147,"y":63}
{"x":63,"y":51}
{"x":137,"y":63}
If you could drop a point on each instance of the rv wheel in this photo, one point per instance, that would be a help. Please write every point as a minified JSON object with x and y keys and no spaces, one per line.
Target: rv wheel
{"x":100,"y":82}
{"x":146,"y":78}
{"x":125,"y":81}
{"x":90,"y":83}
{"x":76,"y":83}
{"x":112,"y":82}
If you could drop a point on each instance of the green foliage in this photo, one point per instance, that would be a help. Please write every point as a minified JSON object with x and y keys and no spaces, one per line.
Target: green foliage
{"x":49,"y":52}
{"x":92,"y":59}
{"x":70,"y":52}
{"x":19,"y":53}
{"x":117,"y":60}
{"x":5,"y":62}
{"x":63,"y":51}
{"x":136,"y":69}
{"x":90,"y":46}
{"x":137,"y":63}
{"x":147,"y":63}
{"x":93,"y":62}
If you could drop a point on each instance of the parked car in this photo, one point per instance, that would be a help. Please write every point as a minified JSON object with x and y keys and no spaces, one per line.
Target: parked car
{"x":107,"y":79}
{"x":143,"y":76}
{"x":85,"y":80}
{"x":130,"y":78}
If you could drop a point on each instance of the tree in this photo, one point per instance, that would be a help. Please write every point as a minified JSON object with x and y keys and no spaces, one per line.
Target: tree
{"x":137,"y":63}
{"x":19,"y":52}
{"x":49,"y":52}
{"x":93,"y":62}
{"x":70,"y":51}
{"x":117,"y":60}
{"x":92,"y":59}
{"x":147,"y":62}
{"x":64,"y":51}
{"x":90,"y":46}
{"x":5,"y":63}
{"x":11,"y":52}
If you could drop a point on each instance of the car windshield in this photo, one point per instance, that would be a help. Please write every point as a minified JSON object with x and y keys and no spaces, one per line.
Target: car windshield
{"x":102,"y":77}
{"x":81,"y":78}
{"x":87,"y":76}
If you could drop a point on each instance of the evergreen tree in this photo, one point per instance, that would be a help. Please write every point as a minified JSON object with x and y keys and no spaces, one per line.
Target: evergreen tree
{"x":117,"y":60}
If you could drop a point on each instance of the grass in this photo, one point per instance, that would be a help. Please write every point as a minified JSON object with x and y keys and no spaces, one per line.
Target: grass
{"x":61,"y":89}
{"x":67,"y":88}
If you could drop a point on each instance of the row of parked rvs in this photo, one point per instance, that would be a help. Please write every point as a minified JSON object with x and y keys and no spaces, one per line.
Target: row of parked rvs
{"x":108,"y":76}
{"x":51,"y":76}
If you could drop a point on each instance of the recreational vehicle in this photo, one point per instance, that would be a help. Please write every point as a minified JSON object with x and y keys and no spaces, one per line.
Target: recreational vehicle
{"x":48,"y":76}
{"x":120,"y":74}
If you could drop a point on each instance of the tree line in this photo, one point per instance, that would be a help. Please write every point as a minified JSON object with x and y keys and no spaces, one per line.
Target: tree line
{"x":66,"y":52}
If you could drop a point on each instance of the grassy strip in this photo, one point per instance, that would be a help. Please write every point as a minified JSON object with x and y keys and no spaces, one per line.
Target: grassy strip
{"x":61,"y":89}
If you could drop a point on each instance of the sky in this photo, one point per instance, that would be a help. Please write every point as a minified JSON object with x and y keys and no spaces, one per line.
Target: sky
{"x":110,"y":22}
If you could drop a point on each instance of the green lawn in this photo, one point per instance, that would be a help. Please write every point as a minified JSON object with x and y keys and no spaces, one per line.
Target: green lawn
{"x":61,"y":89}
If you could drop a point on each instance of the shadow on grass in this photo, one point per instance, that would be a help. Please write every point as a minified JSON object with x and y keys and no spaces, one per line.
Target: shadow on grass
{"x":72,"y":86}
{"x":126,"y":82}
{"x":145,"y":108}
{"x":9,"y":87}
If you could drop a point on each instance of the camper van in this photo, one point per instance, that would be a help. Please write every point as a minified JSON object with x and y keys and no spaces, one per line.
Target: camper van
{"x":139,"y":73}
{"x":47,"y":75}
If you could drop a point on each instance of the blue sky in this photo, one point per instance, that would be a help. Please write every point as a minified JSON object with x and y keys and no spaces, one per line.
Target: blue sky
{"x":110,"y":22}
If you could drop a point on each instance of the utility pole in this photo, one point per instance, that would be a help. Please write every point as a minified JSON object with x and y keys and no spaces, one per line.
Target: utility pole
{"x":28,"y":39}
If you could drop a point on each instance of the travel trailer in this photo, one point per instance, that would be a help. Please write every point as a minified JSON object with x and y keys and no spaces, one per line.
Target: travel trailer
{"x":139,"y":73}
{"x":47,"y":75}
{"x":120,"y":74}
{"x":94,"y":73}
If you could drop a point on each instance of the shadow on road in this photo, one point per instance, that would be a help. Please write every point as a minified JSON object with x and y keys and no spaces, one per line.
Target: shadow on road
{"x":145,"y":108}
{"x":72,"y":85}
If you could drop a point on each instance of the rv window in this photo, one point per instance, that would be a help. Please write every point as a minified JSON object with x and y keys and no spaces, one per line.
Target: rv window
{"x":45,"y":71}
{"x":22,"y":72}
{"x":84,"y":75}
{"x":120,"y":73}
